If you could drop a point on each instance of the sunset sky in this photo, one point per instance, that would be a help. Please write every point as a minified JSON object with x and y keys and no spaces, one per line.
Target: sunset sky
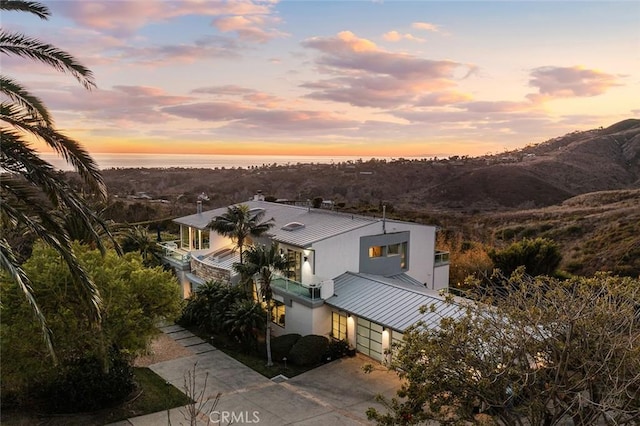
{"x":371,"y":78}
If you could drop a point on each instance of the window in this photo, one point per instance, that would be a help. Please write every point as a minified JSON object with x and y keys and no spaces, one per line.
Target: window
{"x":393,"y":249}
{"x":339,"y":328}
{"x":295,"y":265}
{"x":376,"y":251}
{"x":403,"y":255}
{"x":277,"y":313}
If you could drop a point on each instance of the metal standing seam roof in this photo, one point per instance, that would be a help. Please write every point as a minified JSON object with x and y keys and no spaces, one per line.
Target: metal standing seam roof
{"x":319,"y":224}
{"x":389,"y":301}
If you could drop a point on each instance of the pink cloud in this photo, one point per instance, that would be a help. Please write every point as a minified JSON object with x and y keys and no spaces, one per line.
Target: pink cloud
{"x":129,"y":104}
{"x":245,"y":119}
{"x":206,"y":47}
{"x":485,"y":107}
{"x":442,"y":99}
{"x":123,"y":18}
{"x":568,"y":82}
{"x":254,"y":28}
{"x":395,"y":36}
{"x":426,"y":26}
{"x":366,"y":75}
{"x":254,"y":97}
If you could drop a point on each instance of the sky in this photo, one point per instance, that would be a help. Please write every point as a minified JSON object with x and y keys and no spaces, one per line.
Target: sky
{"x":371,"y":78}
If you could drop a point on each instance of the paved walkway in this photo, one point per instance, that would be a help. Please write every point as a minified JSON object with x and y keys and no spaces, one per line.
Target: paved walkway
{"x":337,"y":393}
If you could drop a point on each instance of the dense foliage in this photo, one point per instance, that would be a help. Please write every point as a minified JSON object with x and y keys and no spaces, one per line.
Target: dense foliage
{"x":539,"y":256}
{"x":308,"y":350}
{"x":549,"y":353}
{"x":34,"y":197}
{"x":262,"y":262}
{"x":135,"y":298}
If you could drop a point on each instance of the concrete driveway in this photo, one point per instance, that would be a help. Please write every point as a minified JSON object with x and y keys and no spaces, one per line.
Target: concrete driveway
{"x":337,"y":393}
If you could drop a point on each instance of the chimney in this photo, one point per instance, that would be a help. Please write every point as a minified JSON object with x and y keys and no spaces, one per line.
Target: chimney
{"x":199,"y":207}
{"x":384,"y":219}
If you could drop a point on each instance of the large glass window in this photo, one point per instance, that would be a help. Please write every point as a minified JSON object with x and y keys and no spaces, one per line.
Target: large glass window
{"x":339,"y":328}
{"x":295,"y":265}
{"x":277,"y":313}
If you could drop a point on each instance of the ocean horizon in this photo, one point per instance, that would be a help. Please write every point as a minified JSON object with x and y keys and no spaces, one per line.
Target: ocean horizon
{"x":204,"y":161}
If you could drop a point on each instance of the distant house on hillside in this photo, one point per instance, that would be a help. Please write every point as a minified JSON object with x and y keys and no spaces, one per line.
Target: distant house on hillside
{"x":352,"y":277}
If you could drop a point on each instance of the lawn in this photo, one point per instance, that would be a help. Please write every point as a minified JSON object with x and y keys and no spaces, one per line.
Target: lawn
{"x":153,"y":394}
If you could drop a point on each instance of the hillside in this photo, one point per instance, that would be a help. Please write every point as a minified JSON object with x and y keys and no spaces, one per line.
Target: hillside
{"x":581,"y":190}
{"x":536,"y":176}
{"x":598,"y":231}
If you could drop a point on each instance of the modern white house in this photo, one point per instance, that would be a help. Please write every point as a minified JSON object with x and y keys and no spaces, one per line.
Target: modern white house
{"x":352,"y":277}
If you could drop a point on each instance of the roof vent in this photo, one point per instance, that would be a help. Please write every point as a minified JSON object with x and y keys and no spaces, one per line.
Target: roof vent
{"x":293,"y":226}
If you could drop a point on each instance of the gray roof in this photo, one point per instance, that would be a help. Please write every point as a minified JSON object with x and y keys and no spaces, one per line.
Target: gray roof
{"x":319,"y":224}
{"x":391,"y":302}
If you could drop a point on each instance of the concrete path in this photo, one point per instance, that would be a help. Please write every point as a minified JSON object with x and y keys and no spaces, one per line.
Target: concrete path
{"x":337,"y":393}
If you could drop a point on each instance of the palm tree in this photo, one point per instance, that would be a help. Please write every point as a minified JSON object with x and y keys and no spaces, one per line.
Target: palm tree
{"x":33,"y":195}
{"x":136,"y":238}
{"x":240,"y":223}
{"x":262,"y":261}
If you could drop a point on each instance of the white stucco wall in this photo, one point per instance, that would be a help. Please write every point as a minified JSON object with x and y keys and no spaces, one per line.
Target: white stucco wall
{"x":305,"y":320}
{"x":421,"y":249}
{"x":339,"y":254}
{"x":441,"y":277}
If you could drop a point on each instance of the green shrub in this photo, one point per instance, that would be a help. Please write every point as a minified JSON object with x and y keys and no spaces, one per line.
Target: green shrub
{"x":83,"y":385}
{"x":309,"y":350}
{"x":336,"y":349}
{"x":207,"y":308}
{"x":281,"y":345}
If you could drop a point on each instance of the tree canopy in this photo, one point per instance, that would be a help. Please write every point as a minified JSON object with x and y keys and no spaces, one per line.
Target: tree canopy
{"x":239,"y":223}
{"x":548,"y":352}
{"x":540,"y":256}
{"x":135,"y":298}
{"x":34,"y":197}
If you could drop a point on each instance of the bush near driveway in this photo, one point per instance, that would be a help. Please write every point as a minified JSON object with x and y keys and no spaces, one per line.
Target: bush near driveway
{"x":309,"y":350}
{"x":281,"y":345}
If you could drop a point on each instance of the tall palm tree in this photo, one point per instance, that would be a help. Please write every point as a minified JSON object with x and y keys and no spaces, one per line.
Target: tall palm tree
{"x":33,"y":195}
{"x":240,"y":223}
{"x":262,"y":261}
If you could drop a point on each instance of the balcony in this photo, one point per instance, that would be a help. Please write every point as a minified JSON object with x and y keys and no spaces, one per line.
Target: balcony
{"x":175,"y":254}
{"x":441,"y":258}
{"x":309,"y":292}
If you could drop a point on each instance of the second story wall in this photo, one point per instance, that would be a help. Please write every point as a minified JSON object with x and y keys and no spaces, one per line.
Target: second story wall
{"x":333,"y":256}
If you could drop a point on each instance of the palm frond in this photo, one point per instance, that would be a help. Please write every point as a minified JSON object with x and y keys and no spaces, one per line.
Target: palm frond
{"x":46,"y":225}
{"x":38,"y":9}
{"x":32,"y":104}
{"x":9,"y":263}
{"x":31,"y":48}
{"x":69,"y":149}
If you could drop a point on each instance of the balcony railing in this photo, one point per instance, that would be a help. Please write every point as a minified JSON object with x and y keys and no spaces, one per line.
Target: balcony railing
{"x":441,"y":258}
{"x":172,"y":251}
{"x":311,"y":291}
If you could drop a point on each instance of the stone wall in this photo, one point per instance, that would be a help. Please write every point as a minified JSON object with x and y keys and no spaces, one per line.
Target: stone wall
{"x":210,"y":273}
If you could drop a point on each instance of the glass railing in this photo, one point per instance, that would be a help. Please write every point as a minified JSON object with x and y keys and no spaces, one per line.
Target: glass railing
{"x":311,"y":292}
{"x":172,"y":251}
{"x":441,"y":258}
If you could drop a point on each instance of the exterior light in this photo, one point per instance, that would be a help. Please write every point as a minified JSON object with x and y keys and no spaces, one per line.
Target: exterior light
{"x":306,"y":259}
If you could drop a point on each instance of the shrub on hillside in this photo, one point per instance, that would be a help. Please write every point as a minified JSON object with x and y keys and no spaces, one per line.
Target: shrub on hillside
{"x":309,"y":350}
{"x":281,"y":345}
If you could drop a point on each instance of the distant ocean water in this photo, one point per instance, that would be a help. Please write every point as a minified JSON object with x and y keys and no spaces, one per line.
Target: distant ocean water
{"x":197,"y":161}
